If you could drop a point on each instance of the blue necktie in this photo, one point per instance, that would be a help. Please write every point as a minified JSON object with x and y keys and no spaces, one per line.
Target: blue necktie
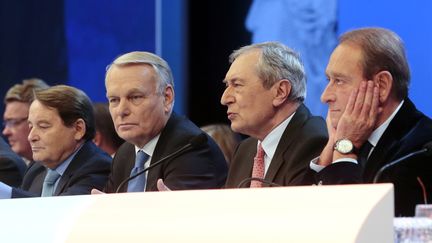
{"x":49,"y":183}
{"x":137,"y":184}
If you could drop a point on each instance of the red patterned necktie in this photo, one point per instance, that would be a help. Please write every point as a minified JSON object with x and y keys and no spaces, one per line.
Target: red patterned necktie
{"x":258,"y":167}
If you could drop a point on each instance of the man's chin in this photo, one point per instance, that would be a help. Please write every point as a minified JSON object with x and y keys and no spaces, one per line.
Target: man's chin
{"x":235,"y":127}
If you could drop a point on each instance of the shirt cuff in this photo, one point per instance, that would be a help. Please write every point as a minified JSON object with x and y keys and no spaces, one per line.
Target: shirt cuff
{"x":345,"y":160}
{"x":317,"y":168}
{"x":5,"y":191}
{"x":314,"y":166}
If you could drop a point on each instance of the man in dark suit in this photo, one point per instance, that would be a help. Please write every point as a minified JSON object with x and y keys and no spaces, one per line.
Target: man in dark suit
{"x":140,"y":91}
{"x":12,"y":167}
{"x":61,"y":129}
{"x":265,"y":89}
{"x":372,"y":121}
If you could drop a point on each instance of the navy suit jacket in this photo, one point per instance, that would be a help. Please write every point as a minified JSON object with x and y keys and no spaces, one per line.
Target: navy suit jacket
{"x":200,"y":168}
{"x":12,"y":167}
{"x":407,"y":132}
{"x":303,"y":139}
{"x":88,"y":169}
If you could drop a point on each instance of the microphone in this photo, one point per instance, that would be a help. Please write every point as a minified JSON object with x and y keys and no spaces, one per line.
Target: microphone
{"x":243,"y":182}
{"x":427,"y":150}
{"x":193,"y":143}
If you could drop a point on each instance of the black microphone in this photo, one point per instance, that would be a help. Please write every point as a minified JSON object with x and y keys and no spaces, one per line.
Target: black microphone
{"x":427,"y":150}
{"x":243,"y":182}
{"x":193,"y":143}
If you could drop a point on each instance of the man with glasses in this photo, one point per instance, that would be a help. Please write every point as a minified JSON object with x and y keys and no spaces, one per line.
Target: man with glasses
{"x":15,"y":126}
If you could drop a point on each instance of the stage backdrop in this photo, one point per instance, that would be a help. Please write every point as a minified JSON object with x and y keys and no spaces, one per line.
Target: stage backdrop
{"x":311,"y":27}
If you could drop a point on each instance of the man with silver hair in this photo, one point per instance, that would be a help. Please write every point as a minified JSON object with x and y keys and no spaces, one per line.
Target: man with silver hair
{"x":140,"y":91}
{"x":265,"y":90}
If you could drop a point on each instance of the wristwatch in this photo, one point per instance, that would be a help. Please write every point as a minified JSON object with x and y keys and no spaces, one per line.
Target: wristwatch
{"x":344,"y":146}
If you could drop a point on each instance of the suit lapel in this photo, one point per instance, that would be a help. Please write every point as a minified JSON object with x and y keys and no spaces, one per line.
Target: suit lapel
{"x":287,"y":139}
{"x":248,"y":159}
{"x":388,"y":146}
{"x":76,"y":162}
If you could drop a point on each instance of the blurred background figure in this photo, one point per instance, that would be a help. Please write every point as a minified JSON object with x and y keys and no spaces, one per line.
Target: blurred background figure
{"x":106,"y":137}
{"x":307,"y":26}
{"x":12,"y":167}
{"x":224,"y":137}
{"x":15,"y":127}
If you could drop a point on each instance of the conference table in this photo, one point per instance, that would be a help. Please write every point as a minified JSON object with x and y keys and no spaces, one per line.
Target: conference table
{"x":343,"y":213}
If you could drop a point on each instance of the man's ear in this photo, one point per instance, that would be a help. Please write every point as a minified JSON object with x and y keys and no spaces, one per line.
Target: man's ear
{"x":168,"y":98}
{"x":282,"y":90}
{"x":97,"y":138}
{"x":385,"y":82}
{"x":80,"y":129}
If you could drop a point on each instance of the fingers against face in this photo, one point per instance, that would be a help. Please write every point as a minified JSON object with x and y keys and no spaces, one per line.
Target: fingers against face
{"x":368,"y":102}
{"x":375,"y":102}
{"x":363,"y":102}
{"x":360,"y":99}
{"x":351,"y":102}
{"x":360,"y":115}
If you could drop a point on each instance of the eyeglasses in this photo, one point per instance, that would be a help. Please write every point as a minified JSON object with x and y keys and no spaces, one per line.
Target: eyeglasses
{"x":14,"y":122}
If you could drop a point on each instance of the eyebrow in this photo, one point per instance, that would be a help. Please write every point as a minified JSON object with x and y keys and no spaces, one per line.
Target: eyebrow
{"x":336,"y":75}
{"x":235,"y":79}
{"x":43,"y":121}
{"x":129,"y":92}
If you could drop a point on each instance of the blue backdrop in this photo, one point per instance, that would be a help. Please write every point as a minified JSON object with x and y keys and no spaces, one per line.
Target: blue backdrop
{"x":411,"y":20}
{"x":98,"y":31}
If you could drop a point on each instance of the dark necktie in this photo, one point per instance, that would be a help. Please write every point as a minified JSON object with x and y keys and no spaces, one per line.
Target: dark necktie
{"x":364,"y":153}
{"x":137,"y":184}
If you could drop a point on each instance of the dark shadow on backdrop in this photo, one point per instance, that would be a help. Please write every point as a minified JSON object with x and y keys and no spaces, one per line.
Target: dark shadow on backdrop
{"x":32,"y":43}
{"x":216,"y":28}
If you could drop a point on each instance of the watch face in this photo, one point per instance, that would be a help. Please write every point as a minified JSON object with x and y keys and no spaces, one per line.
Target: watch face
{"x":344,"y":146}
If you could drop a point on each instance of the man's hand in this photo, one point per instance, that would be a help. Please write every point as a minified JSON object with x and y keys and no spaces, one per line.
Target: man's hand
{"x":360,"y":115}
{"x":326,"y":156}
{"x":96,"y":192}
{"x":161,"y":186}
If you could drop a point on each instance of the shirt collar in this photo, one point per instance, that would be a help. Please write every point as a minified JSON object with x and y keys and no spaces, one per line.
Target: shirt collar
{"x":271,"y":141}
{"x":149,"y":147}
{"x":65,"y":164}
{"x":377,"y":133}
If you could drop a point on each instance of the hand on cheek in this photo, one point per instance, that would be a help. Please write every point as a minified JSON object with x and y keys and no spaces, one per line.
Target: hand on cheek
{"x":360,"y":115}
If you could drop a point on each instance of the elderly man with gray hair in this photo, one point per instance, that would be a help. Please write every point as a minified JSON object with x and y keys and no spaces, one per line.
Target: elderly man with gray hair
{"x":265,"y":90}
{"x":140,"y":92}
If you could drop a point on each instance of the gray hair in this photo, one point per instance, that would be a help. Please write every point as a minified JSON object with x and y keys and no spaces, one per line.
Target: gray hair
{"x":278,"y":62}
{"x":160,"y":66}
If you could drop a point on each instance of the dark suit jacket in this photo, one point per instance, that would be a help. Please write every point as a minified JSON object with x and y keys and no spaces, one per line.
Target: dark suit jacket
{"x":12,"y":167}
{"x":88,"y":169}
{"x":199,"y":168}
{"x":303,"y":139}
{"x":407,"y":132}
